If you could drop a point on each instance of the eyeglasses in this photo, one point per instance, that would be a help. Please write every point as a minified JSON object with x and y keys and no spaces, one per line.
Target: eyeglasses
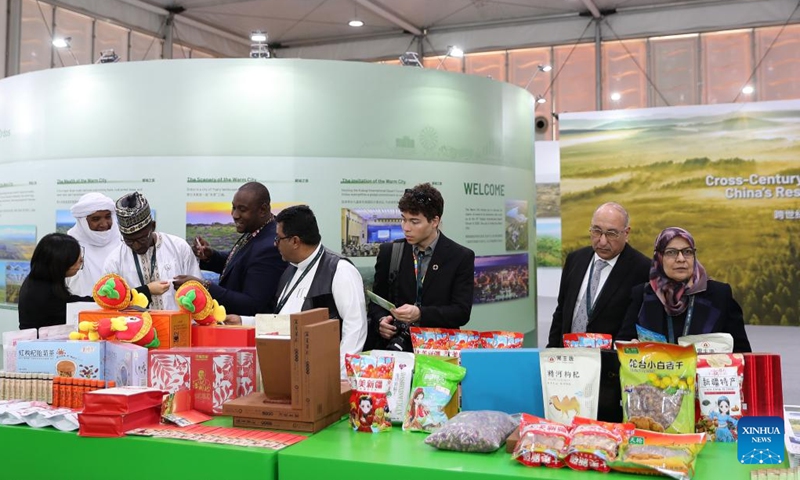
{"x":278,"y":238}
{"x":673,"y":252}
{"x":596,"y":232}
{"x":131,"y":242}
{"x":419,"y":197}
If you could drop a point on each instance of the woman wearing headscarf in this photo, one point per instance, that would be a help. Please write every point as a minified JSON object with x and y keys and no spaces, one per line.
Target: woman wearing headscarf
{"x":680,"y":299}
{"x":94,"y":229}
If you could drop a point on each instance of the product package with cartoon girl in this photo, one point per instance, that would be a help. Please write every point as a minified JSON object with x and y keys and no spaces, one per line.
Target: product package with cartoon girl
{"x":435,"y":382}
{"x":370,"y":379}
{"x":719,"y":395}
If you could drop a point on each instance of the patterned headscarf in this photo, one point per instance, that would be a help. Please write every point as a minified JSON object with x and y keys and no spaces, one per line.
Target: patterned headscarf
{"x":671,"y":293}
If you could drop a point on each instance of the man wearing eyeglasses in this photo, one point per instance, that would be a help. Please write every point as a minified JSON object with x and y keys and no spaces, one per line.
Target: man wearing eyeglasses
{"x":433,"y":284}
{"x":249,"y":271}
{"x":146,"y":257}
{"x":595,"y":292}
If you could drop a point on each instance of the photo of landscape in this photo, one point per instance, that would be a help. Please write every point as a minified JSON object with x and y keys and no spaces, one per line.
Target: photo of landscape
{"x":516,"y":225}
{"x":17,"y":242}
{"x":676,"y":167}
{"x":211,"y":221}
{"x":15,"y":273}
{"x":548,"y":242}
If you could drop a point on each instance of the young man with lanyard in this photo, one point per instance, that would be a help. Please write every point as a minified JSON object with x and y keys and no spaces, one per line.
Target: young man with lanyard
{"x":433,"y":284}
{"x":316,"y":278}
{"x":249,"y":272}
{"x":147,"y":257}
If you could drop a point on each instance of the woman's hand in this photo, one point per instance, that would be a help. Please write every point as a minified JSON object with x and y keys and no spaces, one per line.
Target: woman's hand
{"x":158,"y":287}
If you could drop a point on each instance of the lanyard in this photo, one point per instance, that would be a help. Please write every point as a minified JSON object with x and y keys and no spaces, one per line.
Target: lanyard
{"x":285,"y":298}
{"x":420,"y":278}
{"x":139,"y":268}
{"x":686,"y":323}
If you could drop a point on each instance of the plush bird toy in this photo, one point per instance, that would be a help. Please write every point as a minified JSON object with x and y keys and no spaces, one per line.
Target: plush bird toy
{"x":113,"y":293}
{"x":193,"y":298}
{"x":137,"y":329}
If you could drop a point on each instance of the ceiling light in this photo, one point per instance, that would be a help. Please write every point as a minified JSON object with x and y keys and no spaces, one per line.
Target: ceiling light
{"x":748,"y":89}
{"x":454,"y":51}
{"x":356,"y":23}
{"x":545,"y":68}
{"x":540,"y":99}
{"x":616,"y":96}
{"x":258,"y":36}
{"x":61,"y":42}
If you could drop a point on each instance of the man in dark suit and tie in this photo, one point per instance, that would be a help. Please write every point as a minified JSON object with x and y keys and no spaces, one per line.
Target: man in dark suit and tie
{"x":595,"y":292}
{"x":434,"y":282}
{"x":250,"y":271}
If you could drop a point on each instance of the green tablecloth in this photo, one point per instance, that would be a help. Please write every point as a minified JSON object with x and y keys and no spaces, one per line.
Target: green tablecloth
{"x":45,"y":453}
{"x":339,"y":453}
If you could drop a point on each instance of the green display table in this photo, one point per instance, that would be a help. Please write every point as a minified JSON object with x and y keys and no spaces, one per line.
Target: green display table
{"x":339,"y":453}
{"x":46,"y":453}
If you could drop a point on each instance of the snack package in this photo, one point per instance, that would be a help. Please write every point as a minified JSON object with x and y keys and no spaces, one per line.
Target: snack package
{"x":370,"y":378}
{"x":570,"y":383}
{"x":588,"y":340}
{"x":541,"y":442}
{"x":501,"y":339}
{"x":400,"y":387}
{"x":443,"y":342}
{"x":594,"y":443}
{"x":651,"y":453}
{"x":435,"y":382}
{"x":719,"y":395}
{"x":481,"y":431}
{"x":657,"y":381}
{"x":709,"y":342}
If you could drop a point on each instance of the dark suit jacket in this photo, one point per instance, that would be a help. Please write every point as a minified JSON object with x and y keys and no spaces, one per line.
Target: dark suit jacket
{"x":632,"y":268}
{"x":446,"y":291}
{"x":248,"y":286}
{"x":715,"y":310}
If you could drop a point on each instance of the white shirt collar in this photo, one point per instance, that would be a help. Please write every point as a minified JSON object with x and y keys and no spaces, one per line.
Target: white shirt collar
{"x":304,"y":264}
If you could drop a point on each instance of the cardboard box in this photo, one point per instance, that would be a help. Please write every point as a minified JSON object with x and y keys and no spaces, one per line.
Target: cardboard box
{"x":301,"y":376}
{"x":258,"y":406}
{"x":126,"y":364}
{"x":66,"y":358}
{"x":311,"y":427}
{"x":223,"y":336}
{"x":213,"y":375}
{"x":172,"y":327}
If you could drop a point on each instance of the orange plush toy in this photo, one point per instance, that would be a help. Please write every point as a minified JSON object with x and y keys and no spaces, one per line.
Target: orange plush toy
{"x":137,"y":329}
{"x":113,"y":293}
{"x":193,"y":298}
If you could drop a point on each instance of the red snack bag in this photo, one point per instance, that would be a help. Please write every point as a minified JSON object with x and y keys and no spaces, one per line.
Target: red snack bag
{"x":541,"y":442}
{"x":370,"y":379}
{"x":501,"y":339}
{"x":594,"y":443}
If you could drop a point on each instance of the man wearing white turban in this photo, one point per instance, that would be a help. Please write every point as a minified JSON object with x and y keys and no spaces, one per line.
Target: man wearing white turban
{"x":94,"y":228}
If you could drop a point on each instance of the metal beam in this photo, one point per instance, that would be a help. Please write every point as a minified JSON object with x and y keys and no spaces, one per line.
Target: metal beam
{"x":392,"y":17}
{"x":592,"y":8}
{"x":14,"y":37}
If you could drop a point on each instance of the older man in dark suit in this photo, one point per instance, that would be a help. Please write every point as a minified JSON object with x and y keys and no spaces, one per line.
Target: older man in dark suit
{"x":595,"y":292}
{"x":434,"y":281}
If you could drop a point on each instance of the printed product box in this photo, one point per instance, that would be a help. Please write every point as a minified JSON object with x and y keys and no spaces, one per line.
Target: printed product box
{"x":126,"y":364}
{"x":400,"y":388}
{"x":213,"y":375}
{"x":66,"y":358}
{"x":223,"y":336}
{"x":172,"y":327}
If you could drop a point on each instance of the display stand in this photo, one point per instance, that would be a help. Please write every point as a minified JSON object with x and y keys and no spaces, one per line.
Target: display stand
{"x":340,"y":453}
{"x":36,"y":453}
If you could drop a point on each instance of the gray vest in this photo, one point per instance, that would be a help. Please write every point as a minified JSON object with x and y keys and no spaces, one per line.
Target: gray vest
{"x":320,"y":294}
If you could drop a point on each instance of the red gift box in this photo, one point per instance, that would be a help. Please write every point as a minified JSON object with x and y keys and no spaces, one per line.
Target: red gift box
{"x":223,"y":336}
{"x":213,"y":375}
{"x":121,"y":401}
{"x":762,"y":389}
{"x":91,"y":425}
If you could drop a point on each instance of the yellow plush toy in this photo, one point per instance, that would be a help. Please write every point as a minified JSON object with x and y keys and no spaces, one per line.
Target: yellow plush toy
{"x":86,"y":331}
{"x":193,"y":298}
{"x":112,"y":292}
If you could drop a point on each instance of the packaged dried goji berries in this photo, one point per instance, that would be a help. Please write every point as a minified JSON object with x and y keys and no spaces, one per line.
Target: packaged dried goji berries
{"x":370,"y":378}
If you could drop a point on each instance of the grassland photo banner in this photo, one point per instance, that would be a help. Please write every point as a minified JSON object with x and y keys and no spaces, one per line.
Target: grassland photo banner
{"x":729,"y":174}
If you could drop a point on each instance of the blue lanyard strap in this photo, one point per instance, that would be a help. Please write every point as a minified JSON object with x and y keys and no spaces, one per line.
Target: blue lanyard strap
{"x":686,"y":323}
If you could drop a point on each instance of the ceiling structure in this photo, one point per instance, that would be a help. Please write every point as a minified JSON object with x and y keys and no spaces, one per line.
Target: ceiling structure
{"x":319,"y":28}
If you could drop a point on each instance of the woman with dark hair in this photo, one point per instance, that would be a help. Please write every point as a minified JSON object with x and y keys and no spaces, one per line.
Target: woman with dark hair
{"x":44,"y":295}
{"x":680,"y":299}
